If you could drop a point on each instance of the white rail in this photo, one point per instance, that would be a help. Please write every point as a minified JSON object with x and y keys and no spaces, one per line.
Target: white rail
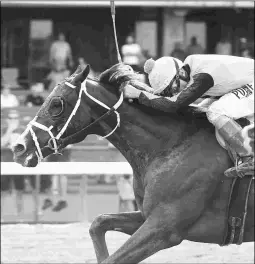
{"x":66,"y":168}
{"x":161,"y":3}
{"x":70,"y":168}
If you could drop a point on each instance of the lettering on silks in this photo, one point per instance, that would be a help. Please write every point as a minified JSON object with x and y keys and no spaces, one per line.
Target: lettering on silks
{"x":243,"y":92}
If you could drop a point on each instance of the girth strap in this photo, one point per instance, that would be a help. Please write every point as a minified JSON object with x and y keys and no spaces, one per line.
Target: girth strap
{"x":237,"y":210}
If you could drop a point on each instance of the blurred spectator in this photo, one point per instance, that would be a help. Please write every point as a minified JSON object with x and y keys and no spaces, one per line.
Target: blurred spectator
{"x":146,"y":55}
{"x":194,"y":47}
{"x":243,"y":44}
{"x":7,"y":140}
{"x":224,"y":47}
{"x":83,"y":64}
{"x":245,"y":48}
{"x":54,"y":78}
{"x":45,"y":183}
{"x":178,"y":52}
{"x":10,"y":77}
{"x":61,"y":54}
{"x":11,"y":135}
{"x":58,"y":191}
{"x":7,"y":98}
{"x":35,"y":98}
{"x":246,"y":53}
{"x":132,"y":53}
{"x":126,"y":193}
{"x":60,"y":59}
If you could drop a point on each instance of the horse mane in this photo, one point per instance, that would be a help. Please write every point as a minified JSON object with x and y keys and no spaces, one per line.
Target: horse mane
{"x":120,"y":73}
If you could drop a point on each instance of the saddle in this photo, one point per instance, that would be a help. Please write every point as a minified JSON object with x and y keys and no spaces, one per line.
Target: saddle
{"x":236,"y":212}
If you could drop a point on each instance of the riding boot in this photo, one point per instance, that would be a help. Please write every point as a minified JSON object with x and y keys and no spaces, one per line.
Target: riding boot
{"x":232,"y":134}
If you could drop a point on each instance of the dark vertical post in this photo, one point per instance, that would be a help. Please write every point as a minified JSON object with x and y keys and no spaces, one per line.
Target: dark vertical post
{"x":160,"y":13}
{"x":36,"y":198}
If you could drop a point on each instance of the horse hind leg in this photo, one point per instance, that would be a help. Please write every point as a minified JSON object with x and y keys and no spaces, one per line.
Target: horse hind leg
{"x":127,"y":223}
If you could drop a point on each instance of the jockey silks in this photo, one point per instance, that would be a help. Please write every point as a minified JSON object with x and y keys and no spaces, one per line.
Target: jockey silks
{"x":228,"y":72}
{"x":213,"y":75}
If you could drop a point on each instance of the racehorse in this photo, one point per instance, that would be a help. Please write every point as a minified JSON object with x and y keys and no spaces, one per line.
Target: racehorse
{"x":178,"y":165}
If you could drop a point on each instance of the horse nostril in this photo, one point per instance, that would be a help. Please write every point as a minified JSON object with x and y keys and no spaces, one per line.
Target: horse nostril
{"x":19,"y":148}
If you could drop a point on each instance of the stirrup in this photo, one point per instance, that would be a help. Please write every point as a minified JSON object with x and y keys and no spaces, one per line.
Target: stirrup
{"x":239,"y":170}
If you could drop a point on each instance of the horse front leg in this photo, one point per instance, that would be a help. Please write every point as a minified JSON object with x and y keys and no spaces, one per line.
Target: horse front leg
{"x":126,"y":223}
{"x":153,"y":235}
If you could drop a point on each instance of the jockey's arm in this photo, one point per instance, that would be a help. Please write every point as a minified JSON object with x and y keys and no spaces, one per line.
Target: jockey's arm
{"x":202,"y":83}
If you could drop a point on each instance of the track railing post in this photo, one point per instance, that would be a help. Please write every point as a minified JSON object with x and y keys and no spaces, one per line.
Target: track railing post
{"x":84,"y":198}
{"x":37,"y":198}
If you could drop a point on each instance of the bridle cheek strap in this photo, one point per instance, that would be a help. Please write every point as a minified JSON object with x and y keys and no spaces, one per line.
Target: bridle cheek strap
{"x":115,"y":107}
{"x":84,"y":89}
{"x":62,"y":131}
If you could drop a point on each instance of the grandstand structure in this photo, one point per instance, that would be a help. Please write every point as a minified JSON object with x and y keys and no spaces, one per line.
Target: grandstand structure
{"x":157,"y":25}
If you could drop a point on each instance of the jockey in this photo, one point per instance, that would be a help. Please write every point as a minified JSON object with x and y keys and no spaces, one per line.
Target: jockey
{"x":176,"y":84}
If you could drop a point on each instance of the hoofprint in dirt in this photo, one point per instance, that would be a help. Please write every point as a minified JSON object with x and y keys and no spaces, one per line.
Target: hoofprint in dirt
{"x":71,"y":243}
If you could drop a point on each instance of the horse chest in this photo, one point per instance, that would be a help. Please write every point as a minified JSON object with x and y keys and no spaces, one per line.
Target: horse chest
{"x":138,"y":191}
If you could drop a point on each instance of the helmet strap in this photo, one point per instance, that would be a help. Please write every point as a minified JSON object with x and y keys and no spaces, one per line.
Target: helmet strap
{"x":185,"y":77}
{"x":176,"y":77}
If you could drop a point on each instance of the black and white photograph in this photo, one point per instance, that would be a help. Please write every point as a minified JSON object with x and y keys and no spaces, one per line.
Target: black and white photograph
{"x":127,"y":132}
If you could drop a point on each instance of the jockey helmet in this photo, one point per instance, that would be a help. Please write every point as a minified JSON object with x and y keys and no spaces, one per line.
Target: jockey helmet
{"x":161,"y":72}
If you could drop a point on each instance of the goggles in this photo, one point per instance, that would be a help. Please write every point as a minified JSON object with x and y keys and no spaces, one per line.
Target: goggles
{"x":176,"y":80}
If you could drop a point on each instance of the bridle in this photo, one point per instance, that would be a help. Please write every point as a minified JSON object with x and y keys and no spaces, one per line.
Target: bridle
{"x":56,"y":142}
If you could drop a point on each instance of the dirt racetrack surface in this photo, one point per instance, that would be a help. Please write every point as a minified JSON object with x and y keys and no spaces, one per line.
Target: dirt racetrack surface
{"x":71,"y":243}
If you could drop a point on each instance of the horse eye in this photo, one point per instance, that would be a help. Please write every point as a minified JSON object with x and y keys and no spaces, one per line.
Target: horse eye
{"x":56,"y":107}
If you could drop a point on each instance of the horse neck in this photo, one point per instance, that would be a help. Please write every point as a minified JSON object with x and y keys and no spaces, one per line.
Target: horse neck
{"x":141,"y":134}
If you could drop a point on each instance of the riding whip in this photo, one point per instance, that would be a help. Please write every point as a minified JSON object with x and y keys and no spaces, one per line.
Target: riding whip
{"x":114,"y":29}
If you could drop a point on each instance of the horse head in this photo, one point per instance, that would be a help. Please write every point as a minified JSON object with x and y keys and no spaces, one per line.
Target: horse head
{"x":55,"y":121}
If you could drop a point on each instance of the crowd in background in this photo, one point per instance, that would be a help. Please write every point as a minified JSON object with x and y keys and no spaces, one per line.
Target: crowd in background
{"x":54,"y":186}
{"x":62,"y":64}
{"x":135,"y":56}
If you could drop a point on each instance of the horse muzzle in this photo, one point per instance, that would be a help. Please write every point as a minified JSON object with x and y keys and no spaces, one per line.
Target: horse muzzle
{"x":27,"y":159}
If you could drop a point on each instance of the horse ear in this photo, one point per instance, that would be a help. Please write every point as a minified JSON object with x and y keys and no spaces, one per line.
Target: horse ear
{"x":78,"y":70}
{"x":83,"y":74}
{"x":86,"y":71}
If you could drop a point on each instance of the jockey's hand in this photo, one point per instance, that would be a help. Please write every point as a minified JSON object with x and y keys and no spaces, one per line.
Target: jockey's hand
{"x":141,"y":86}
{"x":131,"y":92}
